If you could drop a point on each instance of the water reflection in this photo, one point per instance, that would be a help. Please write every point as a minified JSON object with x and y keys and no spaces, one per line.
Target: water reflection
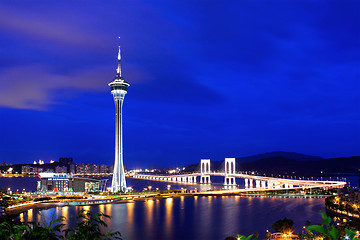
{"x":38,"y":217}
{"x":149,"y":208}
{"x":102,"y":209}
{"x":65,"y":212}
{"x":203,"y":217}
{"x":130,"y":212}
{"x":86,"y":209}
{"x":168,"y":216}
{"x":30,"y":215}
{"x":108,"y":208}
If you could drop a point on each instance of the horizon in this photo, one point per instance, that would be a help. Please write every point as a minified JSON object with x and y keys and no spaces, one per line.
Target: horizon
{"x":212,"y":160}
{"x":257,"y":77}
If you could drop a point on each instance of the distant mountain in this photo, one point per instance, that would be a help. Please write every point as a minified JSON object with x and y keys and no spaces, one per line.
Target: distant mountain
{"x":283,"y":166}
{"x":289,"y":155}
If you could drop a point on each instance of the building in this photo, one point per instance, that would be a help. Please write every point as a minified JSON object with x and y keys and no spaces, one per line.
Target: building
{"x":118,"y":89}
{"x":80,"y":168}
{"x":59,"y":169}
{"x":111,"y":168}
{"x":72,"y":169}
{"x":25,"y":169}
{"x":61,"y":182}
{"x":103,"y":169}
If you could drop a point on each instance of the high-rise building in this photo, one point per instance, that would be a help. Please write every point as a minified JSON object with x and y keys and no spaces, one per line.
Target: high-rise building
{"x":80,"y":168}
{"x":25,"y":169}
{"x":118,"y":90}
{"x":59,"y":169}
{"x":72,"y":169}
{"x":103,"y":169}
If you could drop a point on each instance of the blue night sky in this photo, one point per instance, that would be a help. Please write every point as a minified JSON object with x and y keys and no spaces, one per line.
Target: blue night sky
{"x":208,"y":79}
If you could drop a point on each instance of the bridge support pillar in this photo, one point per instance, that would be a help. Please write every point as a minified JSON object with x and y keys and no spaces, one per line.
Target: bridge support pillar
{"x":257,"y":183}
{"x":190,"y":179}
{"x":263,"y":184}
{"x":246,"y":183}
{"x":205,"y":179}
{"x":205,"y":171}
{"x":229,"y":181}
{"x":229,"y":170}
{"x":251,"y":183}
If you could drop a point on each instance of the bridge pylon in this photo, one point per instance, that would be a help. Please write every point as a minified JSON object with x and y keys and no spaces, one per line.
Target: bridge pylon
{"x":205,"y":171}
{"x":229,"y":170}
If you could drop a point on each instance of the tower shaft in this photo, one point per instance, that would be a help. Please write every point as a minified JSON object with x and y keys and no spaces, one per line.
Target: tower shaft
{"x":118,"y":180}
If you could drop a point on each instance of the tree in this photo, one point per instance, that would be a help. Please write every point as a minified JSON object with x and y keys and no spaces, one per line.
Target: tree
{"x":327,"y":230}
{"x":88,"y":228}
{"x":268,"y":235}
{"x":283,"y":225}
{"x":243,"y":237}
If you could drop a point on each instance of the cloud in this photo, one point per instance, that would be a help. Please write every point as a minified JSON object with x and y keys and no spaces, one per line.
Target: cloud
{"x":34,"y":87}
{"x":48,"y":25}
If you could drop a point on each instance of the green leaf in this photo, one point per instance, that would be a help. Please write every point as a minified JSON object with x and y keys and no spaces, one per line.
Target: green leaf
{"x":317,"y":228}
{"x":334,"y":233}
{"x":325,"y":219}
{"x":350,"y":233}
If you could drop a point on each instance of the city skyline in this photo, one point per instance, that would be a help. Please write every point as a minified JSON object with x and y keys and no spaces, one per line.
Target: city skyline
{"x":208,"y":81}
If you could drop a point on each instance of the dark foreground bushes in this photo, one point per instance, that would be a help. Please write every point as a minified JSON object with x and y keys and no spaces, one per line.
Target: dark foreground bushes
{"x":88,"y":227}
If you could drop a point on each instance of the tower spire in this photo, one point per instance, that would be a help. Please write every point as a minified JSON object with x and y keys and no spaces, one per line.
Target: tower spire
{"x":118,"y":70}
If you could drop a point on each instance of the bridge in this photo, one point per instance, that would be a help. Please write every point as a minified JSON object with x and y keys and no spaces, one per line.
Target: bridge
{"x":252,"y":182}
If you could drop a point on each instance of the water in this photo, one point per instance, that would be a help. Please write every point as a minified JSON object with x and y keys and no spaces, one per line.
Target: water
{"x":194,"y":217}
{"x":185,"y":217}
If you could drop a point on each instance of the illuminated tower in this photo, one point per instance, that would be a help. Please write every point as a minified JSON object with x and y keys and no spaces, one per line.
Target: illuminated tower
{"x":118,"y":90}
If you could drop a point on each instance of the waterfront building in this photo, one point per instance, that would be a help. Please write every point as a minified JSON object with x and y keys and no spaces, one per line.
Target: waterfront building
{"x":95,"y":169}
{"x":59,"y":169}
{"x":72,"y":169}
{"x":80,"y":168}
{"x":61,"y":182}
{"x":25,"y":169}
{"x":36,"y":170}
{"x":103,"y":169}
{"x":111,"y":169}
{"x":118,"y":89}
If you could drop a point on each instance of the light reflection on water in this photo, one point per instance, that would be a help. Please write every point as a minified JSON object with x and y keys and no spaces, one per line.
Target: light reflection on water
{"x":169,"y":217}
{"x":194,"y":217}
{"x":149,"y":211}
